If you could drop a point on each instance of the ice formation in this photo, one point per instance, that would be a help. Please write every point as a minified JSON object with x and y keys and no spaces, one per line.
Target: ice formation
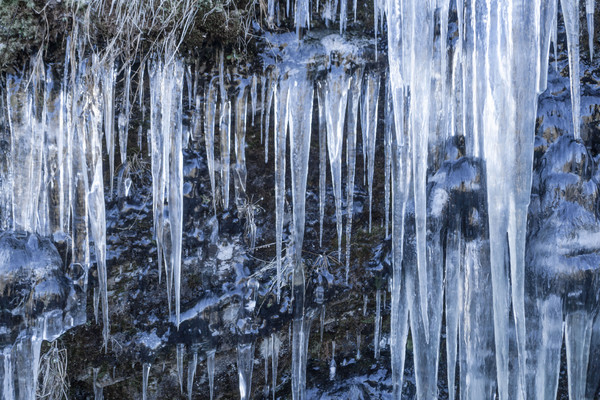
{"x":457,"y":213}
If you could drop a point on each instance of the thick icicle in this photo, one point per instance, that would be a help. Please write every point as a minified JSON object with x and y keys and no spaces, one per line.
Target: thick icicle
{"x":95,"y":195}
{"x":353,"y":100}
{"x":281,"y":123}
{"x":400,"y":191}
{"x":368,"y":119}
{"x":300,"y":118}
{"x":570,"y":11}
{"x":419,"y":20}
{"x":336,"y":97}
{"x":245,"y":361}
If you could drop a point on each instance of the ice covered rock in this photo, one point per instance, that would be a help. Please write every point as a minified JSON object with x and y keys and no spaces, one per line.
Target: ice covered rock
{"x":39,"y":300}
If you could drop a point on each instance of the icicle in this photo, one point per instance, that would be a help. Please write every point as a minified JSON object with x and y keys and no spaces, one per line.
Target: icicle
{"x":321,"y":90}
{"x":302,"y":15}
{"x":108,"y":87}
{"x":245,"y":361}
{"x":240,"y":149}
{"x":141,"y":104}
{"x":548,"y":348}
{"x":578,"y":333}
{"x":225,"y":128}
{"x":570,"y":10}
{"x":476,"y":326}
{"x":271,"y":92}
{"x":420,"y":19}
{"x":336,"y":96}
{"x":343,"y":15}
{"x":400,"y":182}
{"x":322,"y":323}
{"x":389,"y":126}
{"x":589,"y":11}
{"x":209,"y":136}
{"x":548,"y":16}
{"x":332,"y":364}
{"x":191,"y":373}
{"x":271,"y":13}
{"x":266,"y":348}
{"x":376,"y":336}
{"x":370,"y":97}
{"x":253,"y":96}
{"x":96,"y":303}
{"x":123,"y":120}
{"x":189,"y":84}
{"x":276,"y":344}
{"x":210,"y":366}
{"x":156,"y":147}
{"x":263,"y":92}
{"x":95,"y":195}
{"x":176,"y":181}
{"x":353,"y":100}
{"x":145,"y":376}
{"x":180,"y":355}
{"x":426,"y":336}
{"x":98,"y":389}
{"x":358,"y":338}
{"x":453,"y":257}
{"x":300,"y":117}
{"x":281,"y":123}
{"x":554,"y":35}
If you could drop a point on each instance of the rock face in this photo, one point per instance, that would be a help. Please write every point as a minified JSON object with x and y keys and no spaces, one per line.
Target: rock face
{"x":40,"y":299}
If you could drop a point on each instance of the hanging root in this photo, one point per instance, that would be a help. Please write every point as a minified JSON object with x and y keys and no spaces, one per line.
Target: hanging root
{"x":53,"y":383}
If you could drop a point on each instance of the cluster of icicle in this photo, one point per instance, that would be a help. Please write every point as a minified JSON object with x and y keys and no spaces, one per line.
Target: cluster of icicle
{"x":485,"y":89}
{"x":52,"y":181}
